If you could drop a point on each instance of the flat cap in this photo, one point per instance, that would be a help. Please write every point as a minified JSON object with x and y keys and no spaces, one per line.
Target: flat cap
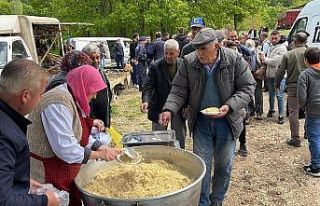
{"x":203,"y":37}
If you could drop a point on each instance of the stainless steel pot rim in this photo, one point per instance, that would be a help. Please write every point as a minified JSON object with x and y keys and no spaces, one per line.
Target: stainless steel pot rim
{"x":155,"y":197}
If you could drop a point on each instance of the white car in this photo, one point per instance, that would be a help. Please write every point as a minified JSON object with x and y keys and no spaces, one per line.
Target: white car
{"x":80,"y":42}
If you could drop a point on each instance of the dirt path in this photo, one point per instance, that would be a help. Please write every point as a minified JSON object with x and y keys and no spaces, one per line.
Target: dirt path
{"x":272,"y":173}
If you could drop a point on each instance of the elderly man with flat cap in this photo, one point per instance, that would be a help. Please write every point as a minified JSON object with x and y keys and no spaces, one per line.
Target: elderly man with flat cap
{"x":212,"y":77}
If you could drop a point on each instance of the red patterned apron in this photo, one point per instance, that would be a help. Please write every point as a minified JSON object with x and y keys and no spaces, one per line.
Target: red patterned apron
{"x":62,"y":174}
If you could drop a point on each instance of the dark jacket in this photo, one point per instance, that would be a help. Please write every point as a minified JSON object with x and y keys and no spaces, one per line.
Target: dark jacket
{"x":157,"y":87}
{"x":308,"y":91}
{"x":118,"y":51}
{"x":100,"y":106}
{"x":233,"y":79}
{"x":187,"y":49}
{"x":133,"y":46}
{"x":293,"y":63}
{"x":150,"y":52}
{"x":158,"y":49}
{"x":182,"y":40}
{"x":15,"y":160}
{"x":56,"y":80}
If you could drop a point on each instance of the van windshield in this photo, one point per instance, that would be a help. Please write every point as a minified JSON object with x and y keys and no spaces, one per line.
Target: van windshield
{"x":300,"y":25}
{"x":3,"y":53}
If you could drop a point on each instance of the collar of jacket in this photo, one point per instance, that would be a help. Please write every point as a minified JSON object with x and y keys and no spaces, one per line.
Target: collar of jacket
{"x":223,"y":61}
{"x":19,"y":119}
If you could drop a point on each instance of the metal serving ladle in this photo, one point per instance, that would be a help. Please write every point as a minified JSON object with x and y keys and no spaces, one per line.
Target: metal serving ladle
{"x":129,"y":156}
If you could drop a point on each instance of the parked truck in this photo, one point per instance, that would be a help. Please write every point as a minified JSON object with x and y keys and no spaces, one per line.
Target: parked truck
{"x":35,"y":38}
{"x":287,"y":18}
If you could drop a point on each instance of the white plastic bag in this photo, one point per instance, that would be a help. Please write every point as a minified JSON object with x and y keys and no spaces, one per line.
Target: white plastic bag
{"x":62,"y":195}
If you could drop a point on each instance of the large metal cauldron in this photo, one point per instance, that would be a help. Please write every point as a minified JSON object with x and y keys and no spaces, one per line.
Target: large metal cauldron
{"x":191,"y":164}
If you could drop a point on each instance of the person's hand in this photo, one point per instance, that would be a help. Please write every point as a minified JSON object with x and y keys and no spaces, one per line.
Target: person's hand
{"x":164,"y":118}
{"x":34,"y":184}
{"x":224,"y":109}
{"x":144,"y":107}
{"x":99,"y":124}
{"x":108,"y":153}
{"x":53,"y":200}
{"x":262,"y":57}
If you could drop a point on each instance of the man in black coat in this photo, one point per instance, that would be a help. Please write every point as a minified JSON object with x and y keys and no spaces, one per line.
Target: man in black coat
{"x":101,"y":105}
{"x":156,"y":89}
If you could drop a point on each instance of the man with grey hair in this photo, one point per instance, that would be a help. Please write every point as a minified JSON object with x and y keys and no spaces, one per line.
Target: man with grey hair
{"x":219,"y":79}
{"x":22,"y":83}
{"x":93,"y":51}
{"x":157,"y":87}
{"x":101,"y":105}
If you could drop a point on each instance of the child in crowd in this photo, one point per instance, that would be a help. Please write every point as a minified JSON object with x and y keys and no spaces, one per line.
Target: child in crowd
{"x":309,"y":98}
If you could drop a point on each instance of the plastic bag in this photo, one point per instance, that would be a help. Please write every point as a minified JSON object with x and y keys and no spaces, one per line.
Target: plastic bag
{"x":62,"y":195}
{"x":116,"y":137}
{"x":104,"y":137}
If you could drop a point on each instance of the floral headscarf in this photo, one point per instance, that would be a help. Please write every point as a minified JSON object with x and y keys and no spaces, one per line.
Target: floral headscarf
{"x":74,"y":59}
{"x":85,"y":81}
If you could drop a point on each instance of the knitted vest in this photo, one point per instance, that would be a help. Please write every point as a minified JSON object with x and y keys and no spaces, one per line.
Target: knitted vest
{"x":38,"y":141}
{"x":37,"y":138}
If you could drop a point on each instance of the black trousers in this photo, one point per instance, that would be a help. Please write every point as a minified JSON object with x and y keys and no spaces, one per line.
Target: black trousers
{"x":242,"y":137}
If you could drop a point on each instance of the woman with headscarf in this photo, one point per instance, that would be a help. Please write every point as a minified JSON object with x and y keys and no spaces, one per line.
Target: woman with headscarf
{"x":60,"y":131}
{"x":70,"y":60}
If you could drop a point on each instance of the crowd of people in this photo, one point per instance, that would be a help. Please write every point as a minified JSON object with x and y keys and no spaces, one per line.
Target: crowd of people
{"x":176,"y":88}
{"x":178,"y":77}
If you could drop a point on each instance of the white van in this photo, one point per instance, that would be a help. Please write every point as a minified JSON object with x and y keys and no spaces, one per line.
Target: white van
{"x":308,"y":20}
{"x":80,"y":42}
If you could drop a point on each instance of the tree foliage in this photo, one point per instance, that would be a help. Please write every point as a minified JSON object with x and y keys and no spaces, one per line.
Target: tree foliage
{"x":124,"y":17}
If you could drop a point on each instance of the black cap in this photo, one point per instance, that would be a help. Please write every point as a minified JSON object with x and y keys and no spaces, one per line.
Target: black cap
{"x":203,"y":37}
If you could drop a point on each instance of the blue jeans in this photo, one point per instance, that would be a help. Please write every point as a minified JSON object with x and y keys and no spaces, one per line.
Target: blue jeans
{"x":120,"y":62}
{"x":313,"y":134}
{"x":279,"y":94}
{"x":214,"y":139}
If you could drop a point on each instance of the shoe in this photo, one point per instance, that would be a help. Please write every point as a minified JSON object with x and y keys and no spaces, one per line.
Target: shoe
{"x":294,"y":142}
{"x":243,"y":152}
{"x":270,"y":113}
{"x":312,"y":171}
{"x":247,"y":121}
{"x":280,"y":120}
{"x":252,"y":114}
{"x":258,"y":117}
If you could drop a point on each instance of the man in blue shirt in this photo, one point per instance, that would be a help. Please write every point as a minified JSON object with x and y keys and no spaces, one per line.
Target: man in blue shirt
{"x":22,"y":83}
